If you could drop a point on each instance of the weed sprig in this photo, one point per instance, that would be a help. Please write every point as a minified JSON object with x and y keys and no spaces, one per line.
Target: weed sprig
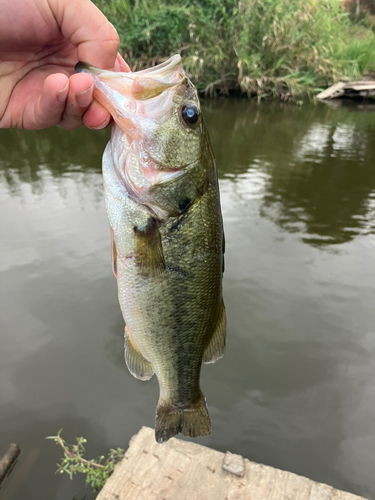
{"x":97,"y":471}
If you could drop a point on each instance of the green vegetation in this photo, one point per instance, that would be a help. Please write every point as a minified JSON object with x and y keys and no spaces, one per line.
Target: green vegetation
{"x":262,"y":48}
{"x":97,"y":471}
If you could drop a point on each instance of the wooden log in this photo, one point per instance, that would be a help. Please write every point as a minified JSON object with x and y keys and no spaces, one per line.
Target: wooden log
{"x":334,"y":91}
{"x":8,"y":460}
{"x":363,"y":88}
{"x":360,"y":86}
{"x":188,"y":471}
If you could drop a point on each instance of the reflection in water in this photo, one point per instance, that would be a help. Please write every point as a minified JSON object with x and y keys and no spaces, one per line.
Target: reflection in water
{"x":35,"y":157}
{"x":26,"y":151}
{"x":315,"y":166}
{"x":295,"y":389}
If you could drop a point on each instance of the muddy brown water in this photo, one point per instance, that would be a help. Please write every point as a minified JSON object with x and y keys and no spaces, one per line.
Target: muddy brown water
{"x":296,"y":388}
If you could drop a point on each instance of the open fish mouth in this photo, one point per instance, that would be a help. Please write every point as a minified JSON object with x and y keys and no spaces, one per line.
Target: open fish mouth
{"x":131,"y":96}
{"x":161,"y":71}
{"x":140,"y":85}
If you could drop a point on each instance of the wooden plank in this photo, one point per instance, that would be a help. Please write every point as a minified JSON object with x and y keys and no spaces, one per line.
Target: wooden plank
{"x":334,"y":91}
{"x":363,"y":88}
{"x":188,"y":471}
{"x":360,"y":86}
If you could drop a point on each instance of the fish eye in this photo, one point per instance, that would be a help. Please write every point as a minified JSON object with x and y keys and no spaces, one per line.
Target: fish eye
{"x":190,"y":113}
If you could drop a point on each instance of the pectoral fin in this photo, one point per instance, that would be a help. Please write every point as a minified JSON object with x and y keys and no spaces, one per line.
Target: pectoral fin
{"x":148,"y":249}
{"x":114,"y":255}
{"x":138,"y":366}
{"x":216,"y":347}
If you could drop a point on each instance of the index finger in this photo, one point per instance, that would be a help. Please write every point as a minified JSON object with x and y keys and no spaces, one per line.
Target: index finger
{"x":82,"y":23}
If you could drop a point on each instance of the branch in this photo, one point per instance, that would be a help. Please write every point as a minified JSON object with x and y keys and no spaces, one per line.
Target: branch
{"x":72,"y":455}
{"x":8,"y":460}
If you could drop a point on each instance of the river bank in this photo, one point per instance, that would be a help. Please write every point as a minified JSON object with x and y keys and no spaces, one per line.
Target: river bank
{"x":286,"y":49}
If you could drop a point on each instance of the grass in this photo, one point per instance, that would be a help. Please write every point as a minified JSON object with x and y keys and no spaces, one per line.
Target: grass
{"x":262,"y":48}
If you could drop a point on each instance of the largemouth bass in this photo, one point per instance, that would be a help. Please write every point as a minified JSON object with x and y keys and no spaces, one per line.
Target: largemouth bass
{"x":163,"y":206}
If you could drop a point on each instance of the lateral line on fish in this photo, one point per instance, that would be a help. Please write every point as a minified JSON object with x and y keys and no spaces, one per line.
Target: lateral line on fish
{"x":177,"y":270}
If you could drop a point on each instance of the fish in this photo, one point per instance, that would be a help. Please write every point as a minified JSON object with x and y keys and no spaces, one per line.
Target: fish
{"x":163,"y":205}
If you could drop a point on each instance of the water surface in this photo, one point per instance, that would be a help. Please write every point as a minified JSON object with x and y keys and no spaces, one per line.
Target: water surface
{"x":296,"y":389}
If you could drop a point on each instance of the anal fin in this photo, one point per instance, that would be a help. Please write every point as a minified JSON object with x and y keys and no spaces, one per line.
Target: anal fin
{"x":138,"y":366}
{"x":216,"y":348}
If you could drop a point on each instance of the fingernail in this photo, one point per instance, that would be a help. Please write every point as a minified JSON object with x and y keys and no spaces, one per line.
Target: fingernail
{"x":120,"y":64}
{"x":117,"y":65}
{"x":61,"y":94}
{"x":103,"y":124}
{"x":84,"y":98}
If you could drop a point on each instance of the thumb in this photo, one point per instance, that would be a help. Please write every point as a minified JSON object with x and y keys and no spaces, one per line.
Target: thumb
{"x":82,"y":23}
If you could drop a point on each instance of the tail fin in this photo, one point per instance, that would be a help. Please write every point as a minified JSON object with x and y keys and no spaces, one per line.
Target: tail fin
{"x":192,"y":420}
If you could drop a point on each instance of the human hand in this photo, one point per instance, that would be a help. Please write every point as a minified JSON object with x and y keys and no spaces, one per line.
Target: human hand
{"x":40,"y":43}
